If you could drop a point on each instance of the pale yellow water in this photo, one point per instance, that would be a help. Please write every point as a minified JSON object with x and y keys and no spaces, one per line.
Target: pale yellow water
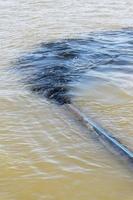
{"x":44,"y":152}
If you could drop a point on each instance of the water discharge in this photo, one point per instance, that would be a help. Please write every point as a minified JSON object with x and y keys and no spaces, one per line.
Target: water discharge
{"x":44,"y":152}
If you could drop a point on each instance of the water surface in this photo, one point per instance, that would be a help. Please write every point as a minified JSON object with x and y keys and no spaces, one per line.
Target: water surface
{"x":44,"y":152}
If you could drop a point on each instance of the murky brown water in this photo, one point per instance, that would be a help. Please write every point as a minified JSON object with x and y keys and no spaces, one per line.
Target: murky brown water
{"x":44,"y":152}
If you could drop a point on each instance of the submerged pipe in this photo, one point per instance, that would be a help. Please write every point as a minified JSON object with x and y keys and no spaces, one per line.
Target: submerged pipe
{"x":49,"y":72}
{"x":103,"y":134}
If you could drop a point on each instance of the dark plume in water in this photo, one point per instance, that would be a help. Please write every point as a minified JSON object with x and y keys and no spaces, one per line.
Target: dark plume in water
{"x":50,"y":70}
{"x":53,"y":67}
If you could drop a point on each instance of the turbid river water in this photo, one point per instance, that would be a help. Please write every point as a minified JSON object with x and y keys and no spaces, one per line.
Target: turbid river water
{"x":45,"y":153}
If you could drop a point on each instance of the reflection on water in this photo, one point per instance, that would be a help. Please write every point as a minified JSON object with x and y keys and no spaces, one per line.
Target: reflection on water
{"x":44,"y":152}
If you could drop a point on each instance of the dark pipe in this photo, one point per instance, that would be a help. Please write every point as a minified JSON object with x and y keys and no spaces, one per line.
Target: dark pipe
{"x":102,"y":133}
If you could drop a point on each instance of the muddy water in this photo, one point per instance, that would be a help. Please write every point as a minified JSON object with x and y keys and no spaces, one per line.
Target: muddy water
{"x":44,"y":151}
